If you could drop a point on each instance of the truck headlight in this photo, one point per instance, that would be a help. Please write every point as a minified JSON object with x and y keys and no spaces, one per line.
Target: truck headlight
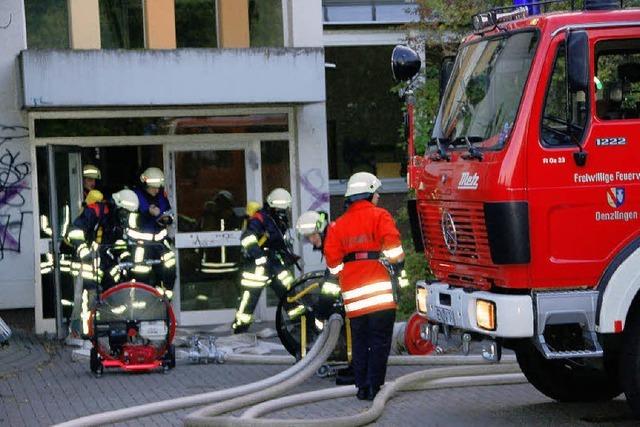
{"x":421,"y":300}
{"x":486,"y":314}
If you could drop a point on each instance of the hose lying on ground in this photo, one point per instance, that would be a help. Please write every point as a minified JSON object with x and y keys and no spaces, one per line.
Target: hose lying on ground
{"x":349,"y":390}
{"x":314,"y":356}
{"x":202,"y":416}
{"x":462,"y":376}
{"x":427,"y":360}
{"x":317,"y":352}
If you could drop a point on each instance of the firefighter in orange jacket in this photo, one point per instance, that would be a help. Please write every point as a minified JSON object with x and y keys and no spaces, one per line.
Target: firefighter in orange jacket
{"x":353,"y":249}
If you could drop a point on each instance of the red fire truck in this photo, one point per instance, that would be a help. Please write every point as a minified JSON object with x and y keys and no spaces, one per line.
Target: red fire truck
{"x":528,"y":196}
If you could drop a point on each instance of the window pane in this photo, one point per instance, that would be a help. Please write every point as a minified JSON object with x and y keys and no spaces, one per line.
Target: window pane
{"x":203,"y":290}
{"x":47,"y":24}
{"x":275,"y":166}
{"x":211,"y":197}
{"x":275,"y":173}
{"x":208,"y":185}
{"x":145,"y":126}
{"x":363,"y":115}
{"x":396,"y":13}
{"x":337,"y":13}
{"x":121,"y":24}
{"x":196,"y":23}
{"x":265,"y":23}
{"x":618,"y":70}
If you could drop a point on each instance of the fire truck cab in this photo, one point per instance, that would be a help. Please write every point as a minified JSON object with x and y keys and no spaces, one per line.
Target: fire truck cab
{"x":527,"y":197}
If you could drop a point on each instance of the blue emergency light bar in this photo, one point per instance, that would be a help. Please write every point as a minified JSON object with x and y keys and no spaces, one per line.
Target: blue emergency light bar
{"x":532,"y":8}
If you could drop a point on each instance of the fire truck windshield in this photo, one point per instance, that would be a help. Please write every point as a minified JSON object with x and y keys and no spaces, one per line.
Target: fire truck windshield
{"x":482,"y":97}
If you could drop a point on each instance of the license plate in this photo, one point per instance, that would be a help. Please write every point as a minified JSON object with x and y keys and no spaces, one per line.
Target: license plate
{"x":445,"y":315}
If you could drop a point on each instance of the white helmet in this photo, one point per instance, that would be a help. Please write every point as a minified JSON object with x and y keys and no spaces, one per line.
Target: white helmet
{"x":91,"y":171}
{"x":362,"y":182}
{"x":279,"y":198}
{"x":311,"y":222}
{"x":126,"y":199}
{"x":152,"y":177}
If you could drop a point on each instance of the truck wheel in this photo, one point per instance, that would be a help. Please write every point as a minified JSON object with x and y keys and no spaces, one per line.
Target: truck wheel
{"x":630,"y":362}
{"x":565,"y":380}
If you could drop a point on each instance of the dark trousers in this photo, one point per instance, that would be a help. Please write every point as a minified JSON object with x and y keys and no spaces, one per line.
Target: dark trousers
{"x":273,"y":269}
{"x":371,"y":336}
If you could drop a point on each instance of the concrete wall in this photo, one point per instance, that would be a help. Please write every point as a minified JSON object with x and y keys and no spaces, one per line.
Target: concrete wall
{"x":65,"y":78}
{"x":17,"y":258}
{"x":305,"y":30}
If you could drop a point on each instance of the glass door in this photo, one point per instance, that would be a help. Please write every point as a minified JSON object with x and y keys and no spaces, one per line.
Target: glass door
{"x":211,"y":186}
{"x":60,"y":200}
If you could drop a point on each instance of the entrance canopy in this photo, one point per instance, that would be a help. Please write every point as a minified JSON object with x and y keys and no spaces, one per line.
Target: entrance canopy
{"x":99,"y":78}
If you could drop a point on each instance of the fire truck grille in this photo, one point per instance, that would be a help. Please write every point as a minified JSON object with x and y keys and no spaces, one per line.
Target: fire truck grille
{"x":467,"y":241}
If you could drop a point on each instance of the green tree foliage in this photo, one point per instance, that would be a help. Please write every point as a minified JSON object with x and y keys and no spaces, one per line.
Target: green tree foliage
{"x":265,"y":23}
{"x":416,"y":266}
{"x":47,"y":24}
{"x":196,"y":23}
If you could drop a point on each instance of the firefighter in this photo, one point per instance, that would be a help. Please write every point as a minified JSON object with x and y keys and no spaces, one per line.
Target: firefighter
{"x":90,"y":175}
{"x":154,"y":257}
{"x":353,"y":247}
{"x":268,"y":257}
{"x":97,"y":239}
{"x":311,"y":225}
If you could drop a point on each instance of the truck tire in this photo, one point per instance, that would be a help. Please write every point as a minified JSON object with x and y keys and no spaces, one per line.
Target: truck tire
{"x":565,"y":380}
{"x":630,"y":362}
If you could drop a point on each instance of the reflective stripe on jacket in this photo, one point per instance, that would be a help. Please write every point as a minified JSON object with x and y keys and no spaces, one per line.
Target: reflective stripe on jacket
{"x":365,"y":284}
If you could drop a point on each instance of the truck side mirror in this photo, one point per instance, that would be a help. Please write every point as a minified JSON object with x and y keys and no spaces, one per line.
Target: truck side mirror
{"x":446,"y":68}
{"x":405,"y":63}
{"x":578,"y":61}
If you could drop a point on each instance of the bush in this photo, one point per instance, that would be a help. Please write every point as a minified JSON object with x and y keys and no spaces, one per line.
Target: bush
{"x":416,"y":266}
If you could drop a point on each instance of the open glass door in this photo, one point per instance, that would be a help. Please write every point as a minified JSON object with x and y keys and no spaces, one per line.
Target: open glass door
{"x":211,"y":186}
{"x":60,"y":201}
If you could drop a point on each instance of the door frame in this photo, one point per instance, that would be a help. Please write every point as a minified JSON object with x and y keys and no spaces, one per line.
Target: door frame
{"x":48,"y":325}
{"x":253,"y":179}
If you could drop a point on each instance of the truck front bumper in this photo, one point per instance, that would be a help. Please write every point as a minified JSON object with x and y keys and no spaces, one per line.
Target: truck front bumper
{"x":512,"y":315}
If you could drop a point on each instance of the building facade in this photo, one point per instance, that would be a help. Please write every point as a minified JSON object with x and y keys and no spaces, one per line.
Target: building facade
{"x":226,"y":96}
{"x":229,"y":97}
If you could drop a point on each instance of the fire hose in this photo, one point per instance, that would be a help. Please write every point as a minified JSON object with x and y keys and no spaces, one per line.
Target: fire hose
{"x":318,"y":354}
{"x":254,"y":393}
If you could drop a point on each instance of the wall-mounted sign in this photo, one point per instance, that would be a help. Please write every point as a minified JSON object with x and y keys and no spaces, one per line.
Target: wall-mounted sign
{"x":208,"y":239}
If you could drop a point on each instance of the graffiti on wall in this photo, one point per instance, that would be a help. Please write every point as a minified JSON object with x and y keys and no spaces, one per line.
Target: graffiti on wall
{"x":313,"y":182}
{"x":14,"y":187}
{"x":5,"y":26}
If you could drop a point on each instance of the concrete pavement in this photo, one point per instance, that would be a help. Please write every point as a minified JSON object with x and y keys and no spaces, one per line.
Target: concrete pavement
{"x":41,"y":385}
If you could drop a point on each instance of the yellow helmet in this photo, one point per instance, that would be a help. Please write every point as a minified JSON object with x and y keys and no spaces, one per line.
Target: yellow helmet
{"x":91,"y":171}
{"x":152,"y":177}
{"x":93,"y":196}
{"x":253,"y":207}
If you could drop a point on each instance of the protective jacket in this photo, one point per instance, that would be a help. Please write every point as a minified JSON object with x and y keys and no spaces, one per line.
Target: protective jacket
{"x":149,"y":223}
{"x":95,"y":223}
{"x":353,"y":244}
{"x":263,"y":233}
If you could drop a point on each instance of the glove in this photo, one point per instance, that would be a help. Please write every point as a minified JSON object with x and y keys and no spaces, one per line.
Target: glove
{"x":401,"y":274}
